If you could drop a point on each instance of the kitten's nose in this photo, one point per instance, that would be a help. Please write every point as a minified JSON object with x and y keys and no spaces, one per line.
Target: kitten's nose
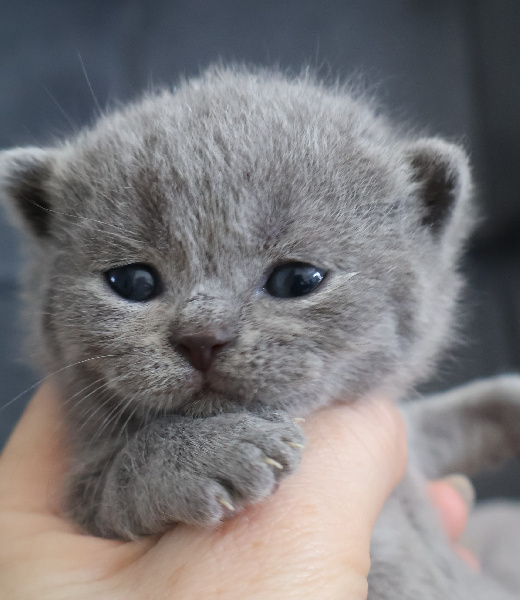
{"x":200,"y":348}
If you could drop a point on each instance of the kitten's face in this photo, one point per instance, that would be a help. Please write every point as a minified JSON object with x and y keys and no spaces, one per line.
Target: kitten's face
{"x":211,"y":190}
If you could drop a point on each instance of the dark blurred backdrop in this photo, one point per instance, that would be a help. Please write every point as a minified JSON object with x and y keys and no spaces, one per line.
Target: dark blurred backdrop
{"x":451,"y":66}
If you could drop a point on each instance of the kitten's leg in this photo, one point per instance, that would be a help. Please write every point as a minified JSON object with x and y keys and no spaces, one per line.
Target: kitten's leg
{"x":412,"y":559}
{"x":468,"y":428}
{"x":459,"y":431}
{"x":493,"y":535}
{"x":197,"y":471}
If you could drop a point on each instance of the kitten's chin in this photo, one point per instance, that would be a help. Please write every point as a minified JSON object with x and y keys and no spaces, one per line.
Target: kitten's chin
{"x":209,"y":402}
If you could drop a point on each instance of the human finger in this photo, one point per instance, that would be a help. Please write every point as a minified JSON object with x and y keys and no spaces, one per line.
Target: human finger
{"x":454,"y":497}
{"x":32,"y":464}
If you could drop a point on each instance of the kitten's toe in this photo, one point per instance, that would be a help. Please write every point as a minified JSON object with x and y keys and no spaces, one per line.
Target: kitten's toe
{"x":282,"y":443}
{"x":248,"y":474}
{"x":206,"y":502}
{"x":254,"y":468}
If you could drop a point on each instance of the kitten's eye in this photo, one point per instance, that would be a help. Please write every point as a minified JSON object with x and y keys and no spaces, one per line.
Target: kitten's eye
{"x":294,"y":279}
{"x":137,"y":282}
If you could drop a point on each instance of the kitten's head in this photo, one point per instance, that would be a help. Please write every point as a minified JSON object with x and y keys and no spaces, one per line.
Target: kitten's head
{"x":248,"y":240}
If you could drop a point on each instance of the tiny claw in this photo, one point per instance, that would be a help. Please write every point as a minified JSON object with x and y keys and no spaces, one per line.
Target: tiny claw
{"x":273,"y":463}
{"x":296,"y":445}
{"x":298,"y":420}
{"x":226,"y":504}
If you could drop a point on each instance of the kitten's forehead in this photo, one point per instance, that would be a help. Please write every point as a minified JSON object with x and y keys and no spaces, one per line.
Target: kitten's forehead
{"x":221,"y":166}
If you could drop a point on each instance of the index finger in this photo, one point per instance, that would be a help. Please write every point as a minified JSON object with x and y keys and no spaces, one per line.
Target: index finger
{"x":32,"y":464}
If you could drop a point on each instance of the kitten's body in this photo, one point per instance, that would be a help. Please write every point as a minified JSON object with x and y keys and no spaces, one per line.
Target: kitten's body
{"x":215,"y":186}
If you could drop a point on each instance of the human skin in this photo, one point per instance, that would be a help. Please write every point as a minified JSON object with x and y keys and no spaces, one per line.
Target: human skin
{"x":309,"y":540}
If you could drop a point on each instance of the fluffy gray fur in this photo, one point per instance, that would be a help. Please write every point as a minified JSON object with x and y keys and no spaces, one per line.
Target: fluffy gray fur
{"x":214,"y":185}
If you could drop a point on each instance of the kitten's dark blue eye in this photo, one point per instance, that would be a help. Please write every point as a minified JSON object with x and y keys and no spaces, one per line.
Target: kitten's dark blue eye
{"x":136,"y":282}
{"x":294,"y":279}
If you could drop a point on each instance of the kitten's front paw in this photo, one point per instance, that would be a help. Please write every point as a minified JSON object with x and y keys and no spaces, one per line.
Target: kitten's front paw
{"x":196,"y":471}
{"x":243,"y":462}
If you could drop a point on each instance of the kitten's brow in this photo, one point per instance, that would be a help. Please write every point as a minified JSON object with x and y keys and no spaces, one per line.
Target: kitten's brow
{"x":64,"y":214}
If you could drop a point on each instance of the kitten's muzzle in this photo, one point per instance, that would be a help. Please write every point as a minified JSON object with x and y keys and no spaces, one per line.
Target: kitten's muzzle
{"x":200,"y":349}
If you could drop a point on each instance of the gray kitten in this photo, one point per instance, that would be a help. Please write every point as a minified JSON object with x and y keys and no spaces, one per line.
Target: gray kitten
{"x":208,"y":264}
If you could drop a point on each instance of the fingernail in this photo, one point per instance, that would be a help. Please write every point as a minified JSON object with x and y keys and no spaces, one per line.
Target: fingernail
{"x":463,"y":486}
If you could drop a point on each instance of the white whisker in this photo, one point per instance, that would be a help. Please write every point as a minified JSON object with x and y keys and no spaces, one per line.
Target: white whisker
{"x":89,"y":84}
{"x":38,"y":383}
{"x":97,"y":407}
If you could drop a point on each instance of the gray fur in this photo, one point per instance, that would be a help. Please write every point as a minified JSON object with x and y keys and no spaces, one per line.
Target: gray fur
{"x":215,"y":184}
{"x":493,"y":535}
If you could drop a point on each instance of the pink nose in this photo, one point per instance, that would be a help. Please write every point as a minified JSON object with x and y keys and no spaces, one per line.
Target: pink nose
{"x":200,"y":349}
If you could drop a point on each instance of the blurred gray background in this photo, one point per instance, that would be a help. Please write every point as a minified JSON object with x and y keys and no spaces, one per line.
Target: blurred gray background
{"x":451,"y":66}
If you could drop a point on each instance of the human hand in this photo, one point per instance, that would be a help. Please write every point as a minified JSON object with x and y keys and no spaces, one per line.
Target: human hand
{"x":311,"y":539}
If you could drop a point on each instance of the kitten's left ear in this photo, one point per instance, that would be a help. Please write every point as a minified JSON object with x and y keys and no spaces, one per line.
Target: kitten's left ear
{"x":441,"y":173}
{"x":24,"y":177}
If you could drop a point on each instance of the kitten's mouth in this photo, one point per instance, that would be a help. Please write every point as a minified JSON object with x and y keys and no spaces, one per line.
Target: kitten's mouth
{"x":210,"y":393}
{"x":209,"y":402}
{"x":196,"y":383}
{"x":214,"y":382}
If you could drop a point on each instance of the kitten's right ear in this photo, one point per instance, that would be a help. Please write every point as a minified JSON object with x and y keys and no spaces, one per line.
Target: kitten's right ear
{"x":441,"y":174}
{"x":24,"y":175}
